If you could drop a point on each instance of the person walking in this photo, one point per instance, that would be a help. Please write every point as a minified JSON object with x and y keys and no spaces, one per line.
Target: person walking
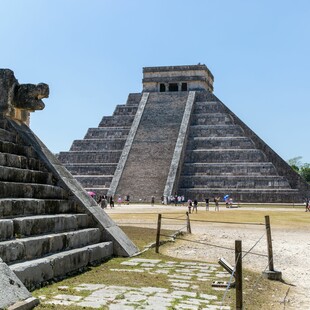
{"x":195,"y":205}
{"x":217,"y":204}
{"x":111,"y":202}
{"x":189,"y":206}
{"x":152,"y":201}
{"x":207,"y":204}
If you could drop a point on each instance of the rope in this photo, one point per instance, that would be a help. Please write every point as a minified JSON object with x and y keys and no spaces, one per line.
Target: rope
{"x":175,"y":218}
{"x":218,"y":246}
{"x":254,"y":245}
{"x":163,"y":235}
{"x":220,"y":222}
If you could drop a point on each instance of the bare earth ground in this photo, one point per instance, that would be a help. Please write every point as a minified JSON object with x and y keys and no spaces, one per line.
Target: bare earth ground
{"x":290,"y":248}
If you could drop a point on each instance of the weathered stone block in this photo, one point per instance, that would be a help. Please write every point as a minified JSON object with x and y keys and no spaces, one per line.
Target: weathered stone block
{"x":6,"y":229}
{"x":11,"y":288}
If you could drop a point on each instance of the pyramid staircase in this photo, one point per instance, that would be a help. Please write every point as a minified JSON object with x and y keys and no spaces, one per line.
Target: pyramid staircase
{"x":153,"y":147}
{"x":221,"y":158}
{"x":93,"y":160}
{"x":48,"y":229}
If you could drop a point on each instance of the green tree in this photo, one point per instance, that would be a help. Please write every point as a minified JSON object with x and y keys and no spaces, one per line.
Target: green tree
{"x":305,"y":172}
{"x":302,"y":168}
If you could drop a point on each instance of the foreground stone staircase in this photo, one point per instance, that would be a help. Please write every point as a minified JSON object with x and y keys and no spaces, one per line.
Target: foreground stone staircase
{"x":50,"y":227}
{"x":93,"y":160}
{"x":45,"y":235}
{"x":222,"y":159}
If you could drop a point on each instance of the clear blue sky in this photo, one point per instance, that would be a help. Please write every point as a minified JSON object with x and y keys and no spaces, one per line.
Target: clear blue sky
{"x":91,"y":53}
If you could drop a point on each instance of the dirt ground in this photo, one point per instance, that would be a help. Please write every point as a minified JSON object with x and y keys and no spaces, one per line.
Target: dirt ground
{"x":290,"y":248}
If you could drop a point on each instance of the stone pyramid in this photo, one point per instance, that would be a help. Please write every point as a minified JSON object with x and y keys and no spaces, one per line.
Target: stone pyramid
{"x":49,"y":226}
{"x":178,"y":137}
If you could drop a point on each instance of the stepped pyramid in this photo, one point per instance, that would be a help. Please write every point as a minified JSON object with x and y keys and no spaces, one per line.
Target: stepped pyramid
{"x":49,"y":226}
{"x":177,"y":136}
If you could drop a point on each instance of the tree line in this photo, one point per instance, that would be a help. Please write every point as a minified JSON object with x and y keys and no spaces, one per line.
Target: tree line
{"x":302,"y":168}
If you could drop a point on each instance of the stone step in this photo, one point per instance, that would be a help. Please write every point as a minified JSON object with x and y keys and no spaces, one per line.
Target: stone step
{"x":263,"y":168}
{"x":44,"y":224}
{"x":18,"y":149}
{"x":116,"y":121}
{"x":22,"y":162}
{"x":98,"y":190}
{"x":107,"y":133}
{"x":206,"y":96}
{"x":125,"y":110}
{"x":212,"y":119}
{"x":4,"y":123}
{"x":7,"y":136}
{"x":35,"y":247}
{"x":216,"y":131}
{"x":98,"y":145}
{"x":247,"y":181}
{"x":220,"y":143}
{"x":54,"y":267}
{"x":12,"y":174}
{"x":27,"y":206}
{"x":90,"y":157}
{"x":224,"y":155}
{"x":208,"y":107}
{"x":134,"y":99}
{"x":251,"y":195}
{"x":94,"y":180}
{"x":92,"y":168}
{"x":31,"y":190}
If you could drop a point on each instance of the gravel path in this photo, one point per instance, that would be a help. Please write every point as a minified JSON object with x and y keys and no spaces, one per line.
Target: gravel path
{"x":290,"y":248}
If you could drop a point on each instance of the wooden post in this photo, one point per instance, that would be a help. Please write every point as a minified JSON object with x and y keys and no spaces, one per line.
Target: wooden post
{"x":238,"y":274}
{"x":158,"y":233}
{"x":269,"y":243}
{"x":189,"y":230}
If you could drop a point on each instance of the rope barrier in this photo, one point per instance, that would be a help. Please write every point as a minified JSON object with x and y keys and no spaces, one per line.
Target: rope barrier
{"x":254,"y":245}
{"x":218,"y":246}
{"x":220,"y":222}
{"x":176,"y":218}
{"x":163,"y":235}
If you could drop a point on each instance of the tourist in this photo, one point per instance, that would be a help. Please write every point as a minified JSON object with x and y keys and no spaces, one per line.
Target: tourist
{"x":179,"y":200}
{"x":111,"y":202}
{"x":104,"y":202}
{"x":307,"y":205}
{"x":119,"y":201}
{"x":189,"y":205}
{"x":152,"y":201}
{"x":207,"y":204}
{"x":217,"y":205}
{"x":183,"y":200}
{"x":195,"y":205}
{"x":127,"y":198}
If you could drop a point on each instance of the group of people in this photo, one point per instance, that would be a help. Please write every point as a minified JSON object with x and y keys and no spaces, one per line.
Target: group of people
{"x":103,"y":201}
{"x":193,"y":205}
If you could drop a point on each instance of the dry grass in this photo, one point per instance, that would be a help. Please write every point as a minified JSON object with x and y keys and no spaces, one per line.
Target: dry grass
{"x":279,"y":217}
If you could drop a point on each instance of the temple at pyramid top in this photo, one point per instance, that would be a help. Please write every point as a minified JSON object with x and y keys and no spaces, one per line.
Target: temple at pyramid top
{"x":177,"y":137}
{"x":177,"y":78}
